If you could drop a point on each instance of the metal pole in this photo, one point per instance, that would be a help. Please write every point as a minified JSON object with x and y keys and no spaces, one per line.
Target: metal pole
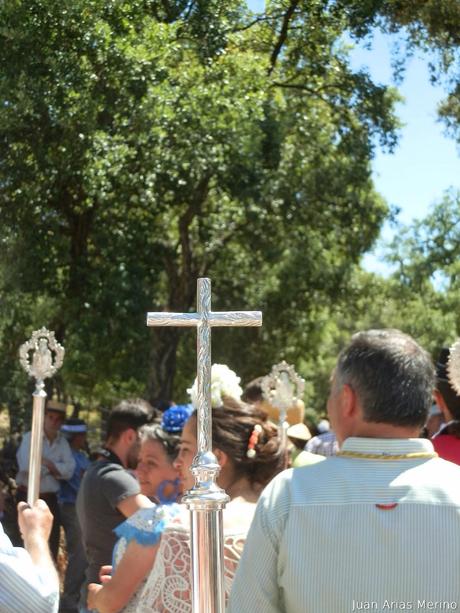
{"x":283,"y":427}
{"x":36,"y":442}
{"x":206,"y":499}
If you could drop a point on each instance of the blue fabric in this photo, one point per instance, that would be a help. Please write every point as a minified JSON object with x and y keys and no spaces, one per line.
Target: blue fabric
{"x":131,"y":533}
{"x":175,"y":417}
{"x":144,"y":527}
{"x":69,"y":489}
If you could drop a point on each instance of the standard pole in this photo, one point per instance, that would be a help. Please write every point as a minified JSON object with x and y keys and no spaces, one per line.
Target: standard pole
{"x":206,"y":499}
{"x":207,"y":560}
{"x":36,"y":443}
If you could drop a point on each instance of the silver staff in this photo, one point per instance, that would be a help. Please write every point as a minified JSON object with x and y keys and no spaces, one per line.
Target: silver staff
{"x":40,"y":365}
{"x":282,"y":388}
{"x":206,"y":499}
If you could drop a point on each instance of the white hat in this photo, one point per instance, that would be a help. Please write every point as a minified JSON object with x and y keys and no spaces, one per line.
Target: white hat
{"x":299,"y":431}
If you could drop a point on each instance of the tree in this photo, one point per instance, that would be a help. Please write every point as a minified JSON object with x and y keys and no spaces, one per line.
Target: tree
{"x":147,"y":143}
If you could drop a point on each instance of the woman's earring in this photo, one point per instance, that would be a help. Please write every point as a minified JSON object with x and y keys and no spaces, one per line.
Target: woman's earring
{"x":168,"y":491}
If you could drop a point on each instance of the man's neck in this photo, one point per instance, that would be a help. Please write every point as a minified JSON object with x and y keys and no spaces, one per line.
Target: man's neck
{"x":376,"y":430}
{"x":51,"y":436}
{"x":118,"y":451}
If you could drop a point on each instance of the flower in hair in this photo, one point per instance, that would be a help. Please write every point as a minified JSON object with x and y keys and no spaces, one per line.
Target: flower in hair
{"x":175,"y":417}
{"x":224,"y":382}
{"x":253,"y":440}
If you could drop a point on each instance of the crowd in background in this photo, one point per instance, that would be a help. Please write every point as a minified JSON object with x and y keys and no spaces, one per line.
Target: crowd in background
{"x":117,"y":513}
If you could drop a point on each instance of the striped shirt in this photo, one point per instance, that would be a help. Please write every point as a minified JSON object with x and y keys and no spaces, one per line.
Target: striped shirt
{"x":351,"y":534}
{"x":24,"y":587}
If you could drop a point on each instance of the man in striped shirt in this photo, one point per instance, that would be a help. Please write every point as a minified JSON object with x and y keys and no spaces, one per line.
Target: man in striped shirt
{"x":28,"y":578}
{"x":376,"y":527}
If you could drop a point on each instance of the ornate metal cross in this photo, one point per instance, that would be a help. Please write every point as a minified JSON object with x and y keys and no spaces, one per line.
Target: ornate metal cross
{"x":46,"y":359}
{"x":206,"y":499}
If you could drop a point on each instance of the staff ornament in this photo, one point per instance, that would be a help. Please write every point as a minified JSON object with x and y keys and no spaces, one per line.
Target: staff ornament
{"x":41,"y":357}
{"x":206,"y":499}
{"x":453,"y":366}
{"x":282,"y":388}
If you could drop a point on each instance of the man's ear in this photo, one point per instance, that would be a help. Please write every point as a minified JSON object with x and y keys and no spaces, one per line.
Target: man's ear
{"x":349,"y":401}
{"x":221,"y":457}
{"x":129,"y":436}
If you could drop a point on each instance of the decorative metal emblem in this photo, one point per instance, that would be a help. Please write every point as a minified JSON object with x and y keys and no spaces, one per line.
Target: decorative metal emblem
{"x":41,"y":356}
{"x":453,"y":366}
{"x":282,"y":387}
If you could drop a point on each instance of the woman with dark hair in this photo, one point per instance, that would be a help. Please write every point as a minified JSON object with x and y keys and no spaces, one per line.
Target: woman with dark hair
{"x":247,"y":447}
{"x":155,"y":471}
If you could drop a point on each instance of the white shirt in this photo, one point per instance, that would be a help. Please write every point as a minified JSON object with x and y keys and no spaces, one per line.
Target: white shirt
{"x":320,"y":544}
{"x":24,"y":587}
{"x":58,"y":451}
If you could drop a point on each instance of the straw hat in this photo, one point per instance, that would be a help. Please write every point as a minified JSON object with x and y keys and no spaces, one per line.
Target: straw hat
{"x":55,"y":405}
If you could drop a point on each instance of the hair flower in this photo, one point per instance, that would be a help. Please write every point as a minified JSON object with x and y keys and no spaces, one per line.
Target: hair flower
{"x":224,"y":382}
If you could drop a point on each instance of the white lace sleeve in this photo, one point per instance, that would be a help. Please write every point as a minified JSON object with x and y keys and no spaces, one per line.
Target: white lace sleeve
{"x":145,"y":527}
{"x":168,"y":587}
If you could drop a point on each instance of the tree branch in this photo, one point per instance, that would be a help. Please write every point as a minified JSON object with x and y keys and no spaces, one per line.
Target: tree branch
{"x":283,"y":34}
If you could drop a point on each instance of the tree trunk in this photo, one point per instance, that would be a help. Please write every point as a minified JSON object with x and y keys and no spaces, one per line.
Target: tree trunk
{"x":163,"y":365}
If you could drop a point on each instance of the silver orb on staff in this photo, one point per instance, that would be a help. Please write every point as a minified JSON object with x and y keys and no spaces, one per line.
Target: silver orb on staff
{"x":206,"y":499}
{"x":282,"y":388}
{"x":41,"y":357}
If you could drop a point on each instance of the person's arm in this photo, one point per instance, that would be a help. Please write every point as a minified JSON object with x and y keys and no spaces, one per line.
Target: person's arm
{"x":131,"y":504}
{"x":132,"y":569}
{"x":258,"y":567}
{"x":65,"y":466}
{"x":28,"y":578}
{"x":22,"y":454}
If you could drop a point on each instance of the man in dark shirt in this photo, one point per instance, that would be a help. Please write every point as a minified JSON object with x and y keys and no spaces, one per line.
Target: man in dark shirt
{"x":109,"y":493}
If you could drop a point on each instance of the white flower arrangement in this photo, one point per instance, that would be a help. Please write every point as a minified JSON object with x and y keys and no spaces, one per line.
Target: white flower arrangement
{"x":224,"y":382}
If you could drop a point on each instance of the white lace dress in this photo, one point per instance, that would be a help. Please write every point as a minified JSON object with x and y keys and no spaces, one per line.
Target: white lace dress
{"x":167,"y":589}
{"x":145,"y":527}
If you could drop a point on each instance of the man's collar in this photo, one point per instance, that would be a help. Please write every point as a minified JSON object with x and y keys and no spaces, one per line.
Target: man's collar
{"x":109,"y":456}
{"x":54,"y":440}
{"x":387,"y":446}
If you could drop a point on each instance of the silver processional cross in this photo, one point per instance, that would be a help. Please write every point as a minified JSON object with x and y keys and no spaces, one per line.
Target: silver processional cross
{"x":206,"y":499}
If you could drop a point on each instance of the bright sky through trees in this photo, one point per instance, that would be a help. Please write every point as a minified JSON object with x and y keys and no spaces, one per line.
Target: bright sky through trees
{"x":426,"y":161}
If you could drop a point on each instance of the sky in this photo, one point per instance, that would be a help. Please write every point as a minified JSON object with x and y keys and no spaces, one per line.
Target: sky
{"x":425,"y":162}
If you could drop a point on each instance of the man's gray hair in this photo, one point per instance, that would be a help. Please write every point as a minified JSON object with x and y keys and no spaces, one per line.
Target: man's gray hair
{"x":392,"y":375}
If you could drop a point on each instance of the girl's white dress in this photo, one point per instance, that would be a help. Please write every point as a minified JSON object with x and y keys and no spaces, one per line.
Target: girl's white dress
{"x":168,"y":586}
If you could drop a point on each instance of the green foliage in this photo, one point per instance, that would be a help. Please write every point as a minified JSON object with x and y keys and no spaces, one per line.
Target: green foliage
{"x":148,"y":143}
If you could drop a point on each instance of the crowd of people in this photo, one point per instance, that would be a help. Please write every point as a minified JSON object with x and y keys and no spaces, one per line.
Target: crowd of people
{"x":364,"y":515}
